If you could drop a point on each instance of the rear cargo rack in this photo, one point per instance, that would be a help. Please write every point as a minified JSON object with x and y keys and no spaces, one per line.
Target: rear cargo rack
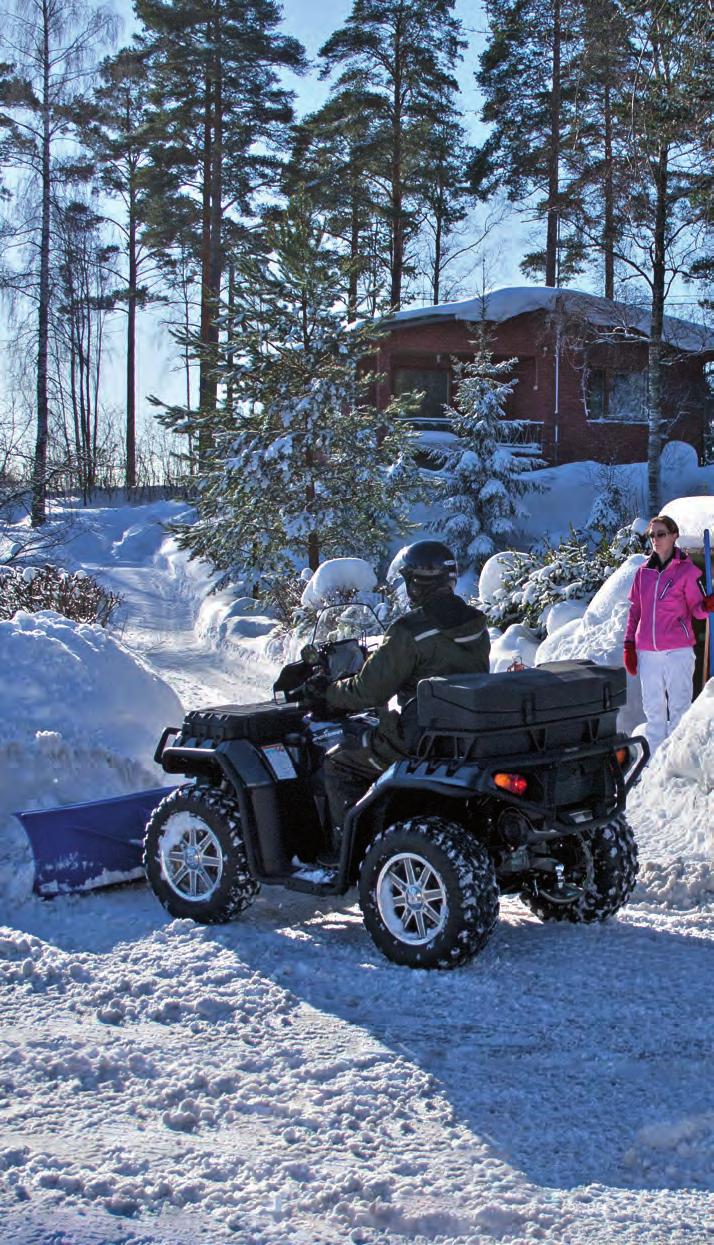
{"x":459,"y":746}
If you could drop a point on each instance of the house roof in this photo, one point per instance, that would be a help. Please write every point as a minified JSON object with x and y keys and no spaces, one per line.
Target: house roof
{"x":512,"y":301}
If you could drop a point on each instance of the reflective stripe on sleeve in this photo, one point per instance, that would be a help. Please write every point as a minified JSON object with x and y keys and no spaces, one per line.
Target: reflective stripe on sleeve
{"x":466,"y":639}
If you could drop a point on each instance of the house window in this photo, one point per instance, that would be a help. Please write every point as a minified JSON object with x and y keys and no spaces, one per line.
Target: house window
{"x":620,"y":396}
{"x":432,"y":382}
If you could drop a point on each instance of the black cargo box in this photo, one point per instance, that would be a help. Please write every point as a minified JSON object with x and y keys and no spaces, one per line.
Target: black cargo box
{"x":265,"y":722}
{"x":558,"y":703}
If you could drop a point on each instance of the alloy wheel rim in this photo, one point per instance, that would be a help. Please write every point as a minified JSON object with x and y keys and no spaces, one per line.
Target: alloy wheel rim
{"x":412,"y":899}
{"x":191,"y":858}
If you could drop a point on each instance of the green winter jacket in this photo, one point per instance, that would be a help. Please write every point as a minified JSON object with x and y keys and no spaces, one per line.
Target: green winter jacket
{"x":445,"y":636}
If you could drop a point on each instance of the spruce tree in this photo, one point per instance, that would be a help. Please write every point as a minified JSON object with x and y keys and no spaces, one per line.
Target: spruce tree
{"x":484,"y":478}
{"x":303,"y":467}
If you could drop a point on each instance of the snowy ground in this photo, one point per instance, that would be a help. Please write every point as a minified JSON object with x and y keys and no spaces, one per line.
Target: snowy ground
{"x":276,"y":1081}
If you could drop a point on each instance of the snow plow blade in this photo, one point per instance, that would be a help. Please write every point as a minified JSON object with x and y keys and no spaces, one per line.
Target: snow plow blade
{"x":83,"y":846}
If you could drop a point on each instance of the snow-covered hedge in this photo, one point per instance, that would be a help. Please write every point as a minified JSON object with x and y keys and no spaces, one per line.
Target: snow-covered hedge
{"x":530,"y":584}
{"x":76,"y":596}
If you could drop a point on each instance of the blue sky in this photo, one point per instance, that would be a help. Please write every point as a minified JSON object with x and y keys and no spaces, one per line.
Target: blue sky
{"x":313,"y":21}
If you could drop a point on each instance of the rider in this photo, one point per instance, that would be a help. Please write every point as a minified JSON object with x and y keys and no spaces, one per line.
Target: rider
{"x":440,"y":635}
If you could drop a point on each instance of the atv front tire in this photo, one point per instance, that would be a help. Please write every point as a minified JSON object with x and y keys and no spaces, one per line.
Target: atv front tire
{"x":599,"y":875}
{"x":428,"y":893}
{"x":194,"y":856}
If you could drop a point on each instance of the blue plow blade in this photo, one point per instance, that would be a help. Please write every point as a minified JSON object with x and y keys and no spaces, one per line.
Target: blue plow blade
{"x":708,"y":582}
{"x":83,"y":846}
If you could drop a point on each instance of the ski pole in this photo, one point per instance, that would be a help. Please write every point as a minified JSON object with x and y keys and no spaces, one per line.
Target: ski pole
{"x":708,"y":582}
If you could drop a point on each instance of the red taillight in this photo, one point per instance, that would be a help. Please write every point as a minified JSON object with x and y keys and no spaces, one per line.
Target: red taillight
{"x":515,"y":783}
{"x":623,"y":756}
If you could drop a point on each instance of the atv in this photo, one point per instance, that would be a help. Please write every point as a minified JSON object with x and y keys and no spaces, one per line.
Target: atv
{"x":516,"y":785}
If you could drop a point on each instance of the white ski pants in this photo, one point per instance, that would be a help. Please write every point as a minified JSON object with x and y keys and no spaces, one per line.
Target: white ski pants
{"x":666,"y":681}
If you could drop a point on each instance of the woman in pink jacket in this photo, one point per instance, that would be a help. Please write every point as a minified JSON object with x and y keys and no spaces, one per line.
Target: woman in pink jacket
{"x":666,"y":594}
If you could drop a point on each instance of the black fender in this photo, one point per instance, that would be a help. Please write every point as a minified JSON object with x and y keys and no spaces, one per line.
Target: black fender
{"x":367,"y":817}
{"x":242,"y":767}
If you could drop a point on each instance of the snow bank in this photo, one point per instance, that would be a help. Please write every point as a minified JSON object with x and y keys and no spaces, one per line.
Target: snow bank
{"x":674,"y":805}
{"x":569,"y":491}
{"x":692,"y":515}
{"x":335,"y":576}
{"x":563,"y":612}
{"x":517,"y":644}
{"x":492,"y":575}
{"x":599,"y":635}
{"x":81,"y":717}
{"x":223,"y":617}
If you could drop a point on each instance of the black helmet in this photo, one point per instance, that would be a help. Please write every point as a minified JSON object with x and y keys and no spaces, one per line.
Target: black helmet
{"x":426,"y":566}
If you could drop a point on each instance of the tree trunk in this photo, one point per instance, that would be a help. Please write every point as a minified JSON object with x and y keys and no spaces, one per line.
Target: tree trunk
{"x":211,"y":248}
{"x":655,"y":353}
{"x":204,"y":385}
{"x":130,"y":469}
{"x":353,"y":277}
{"x":551,"y":242}
{"x":396,"y":191}
{"x":39,"y":472}
{"x":438,"y":244}
{"x":395,"y":291}
{"x":608,"y":233}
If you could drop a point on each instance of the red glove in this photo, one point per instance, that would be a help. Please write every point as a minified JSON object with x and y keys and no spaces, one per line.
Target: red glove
{"x":708,"y":603}
{"x":629,"y":657}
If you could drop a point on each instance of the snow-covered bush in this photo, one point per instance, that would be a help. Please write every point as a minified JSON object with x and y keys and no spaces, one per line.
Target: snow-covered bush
{"x":338,"y":575}
{"x":616,"y":499}
{"x":339,"y":599}
{"x":574,"y":570}
{"x":76,"y":596}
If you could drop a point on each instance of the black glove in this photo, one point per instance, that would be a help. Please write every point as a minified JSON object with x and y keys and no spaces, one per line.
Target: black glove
{"x":311,"y":693}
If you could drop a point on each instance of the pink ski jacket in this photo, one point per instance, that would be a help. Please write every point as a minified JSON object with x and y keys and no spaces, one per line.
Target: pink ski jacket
{"x":663,"y":604}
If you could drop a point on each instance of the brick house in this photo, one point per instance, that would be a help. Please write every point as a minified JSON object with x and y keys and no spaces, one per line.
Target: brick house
{"x":581,"y":369}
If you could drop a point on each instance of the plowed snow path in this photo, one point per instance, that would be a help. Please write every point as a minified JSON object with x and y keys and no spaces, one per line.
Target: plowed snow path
{"x":276,"y":1081}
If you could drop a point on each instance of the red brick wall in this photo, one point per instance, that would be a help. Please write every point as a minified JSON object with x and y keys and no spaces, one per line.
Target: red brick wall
{"x":568,"y":435}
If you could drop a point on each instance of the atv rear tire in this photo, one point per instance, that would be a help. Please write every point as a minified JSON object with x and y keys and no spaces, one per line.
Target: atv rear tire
{"x":194,"y":856}
{"x":600,"y":864}
{"x":428,"y":893}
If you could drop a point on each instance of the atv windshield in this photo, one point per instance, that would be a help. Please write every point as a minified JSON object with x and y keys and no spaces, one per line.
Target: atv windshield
{"x":354,"y":620}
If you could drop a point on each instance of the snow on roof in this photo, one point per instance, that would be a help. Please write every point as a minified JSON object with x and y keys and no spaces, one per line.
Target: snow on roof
{"x":512,"y":301}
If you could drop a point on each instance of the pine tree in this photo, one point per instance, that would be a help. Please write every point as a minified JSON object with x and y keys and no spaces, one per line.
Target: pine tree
{"x":116,"y":129}
{"x":668,"y":157}
{"x":528,"y":74}
{"x":303,"y":467}
{"x":445,"y":192}
{"x":334,"y":154}
{"x":221,"y":121}
{"x":483,"y":478}
{"x":597,"y":143}
{"x":395,"y":60}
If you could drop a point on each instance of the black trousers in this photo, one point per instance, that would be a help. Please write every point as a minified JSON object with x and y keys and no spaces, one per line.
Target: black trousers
{"x":349,"y":772}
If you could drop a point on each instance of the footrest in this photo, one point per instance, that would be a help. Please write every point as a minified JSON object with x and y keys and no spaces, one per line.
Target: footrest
{"x":312,"y":880}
